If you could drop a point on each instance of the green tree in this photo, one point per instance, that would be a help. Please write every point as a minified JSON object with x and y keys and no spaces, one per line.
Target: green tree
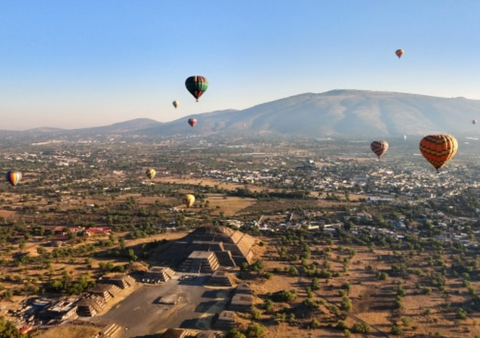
{"x":255,"y":330}
{"x":235,"y":333}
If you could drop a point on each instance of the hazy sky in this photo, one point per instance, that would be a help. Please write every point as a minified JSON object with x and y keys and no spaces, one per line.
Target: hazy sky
{"x":73,"y":64}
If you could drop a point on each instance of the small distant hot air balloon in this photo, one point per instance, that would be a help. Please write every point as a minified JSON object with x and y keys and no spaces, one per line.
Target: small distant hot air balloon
{"x":399,"y":53}
{"x":379,"y":147}
{"x":474,"y":121}
{"x":196,"y":85}
{"x":176,"y":103}
{"x":13,"y":177}
{"x":188,"y":200}
{"x":438,"y":149}
{"x":192,"y":122}
{"x":404,"y":137}
{"x":150,"y":173}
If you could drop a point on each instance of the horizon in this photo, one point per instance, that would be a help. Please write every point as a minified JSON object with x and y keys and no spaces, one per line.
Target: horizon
{"x":193,"y":115}
{"x":226,"y":109}
{"x":79,"y":65}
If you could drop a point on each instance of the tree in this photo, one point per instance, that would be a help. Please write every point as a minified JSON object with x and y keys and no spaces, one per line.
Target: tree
{"x":361,"y":327}
{"x":346,"y":304}
{"x":235,"y":333}
{"x":255,"y":330}
{"x":9,"y":330}
{"x":396,"y":330}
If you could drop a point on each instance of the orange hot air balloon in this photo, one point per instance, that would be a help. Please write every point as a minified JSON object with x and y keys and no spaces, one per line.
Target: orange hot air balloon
{"x":379,"y":147}
{"x":192,"y":122}
{"x":399,"y":53}
{"x":438,"y":149}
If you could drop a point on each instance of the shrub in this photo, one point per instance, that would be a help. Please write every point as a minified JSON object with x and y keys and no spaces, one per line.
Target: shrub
{"x":396,"y":330}
{"x":361,"y":327}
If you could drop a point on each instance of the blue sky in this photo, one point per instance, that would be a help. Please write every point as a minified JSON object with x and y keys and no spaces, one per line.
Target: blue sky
{"x":73,"y":64}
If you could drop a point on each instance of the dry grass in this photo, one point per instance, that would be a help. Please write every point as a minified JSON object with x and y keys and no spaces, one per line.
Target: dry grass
{"x":70,"y":331}
{"x":229,"y":205}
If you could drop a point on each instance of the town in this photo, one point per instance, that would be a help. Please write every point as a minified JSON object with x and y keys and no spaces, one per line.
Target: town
{"x":284,"y":236}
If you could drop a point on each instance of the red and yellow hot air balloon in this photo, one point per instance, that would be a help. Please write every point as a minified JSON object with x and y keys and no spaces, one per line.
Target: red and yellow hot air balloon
{"x":192,"y":122}
{"x":188,"y":200}
{"x":438,"y":149}
{"x":196,"y":85}
{"x":399,"y":53}
{"x":379,"y":147}
{"x":13,"y":177}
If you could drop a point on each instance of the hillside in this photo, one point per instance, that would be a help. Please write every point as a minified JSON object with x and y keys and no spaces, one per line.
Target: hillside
{"x":344,"y":113}
{"x":337,"y":113}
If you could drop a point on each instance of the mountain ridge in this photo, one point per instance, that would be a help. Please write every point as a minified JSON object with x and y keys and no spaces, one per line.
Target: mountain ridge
{"x":335,"y":113}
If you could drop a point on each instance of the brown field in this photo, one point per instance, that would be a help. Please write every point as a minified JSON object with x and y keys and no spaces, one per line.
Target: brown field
{"x":229,"y":205}
{"x":371,"y":298}
{"x":70,"y":331}
{"x":204,"y":181}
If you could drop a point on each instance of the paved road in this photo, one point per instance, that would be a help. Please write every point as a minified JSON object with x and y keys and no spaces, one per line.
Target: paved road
{"x":140,"y":314}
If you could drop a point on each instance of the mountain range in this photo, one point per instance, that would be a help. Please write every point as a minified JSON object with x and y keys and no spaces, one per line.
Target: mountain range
{"x":336,"y":113}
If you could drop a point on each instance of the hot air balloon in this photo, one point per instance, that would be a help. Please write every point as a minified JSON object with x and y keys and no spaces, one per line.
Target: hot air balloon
{"x":474,"y":121}
{"x":176,"y":103}
{"x":399,"y":53}
{"x":13,"y":177}
{"x":192,"y":122}
{"x":404,"y":137}
{"x":150,"y":173}
{"x":189,"y":199}
{"x":438,"y":149}
{"x":196,"y":85}
{"x":379,"y":147}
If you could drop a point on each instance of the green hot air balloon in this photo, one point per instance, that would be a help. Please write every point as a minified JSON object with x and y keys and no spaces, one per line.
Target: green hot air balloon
{"x":196,"y":85}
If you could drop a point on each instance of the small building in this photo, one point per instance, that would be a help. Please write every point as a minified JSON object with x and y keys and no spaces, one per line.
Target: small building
{"x":241,"y":303}
{"x":220,"y":278}
{"x":159,"y":273}
{"x":62,"y":309}
{"x":200,"y":262}
{"x":122,"y":281}
{"x":98,"y":231}
{"x":175,"y":333}
{"x":225,"y":321}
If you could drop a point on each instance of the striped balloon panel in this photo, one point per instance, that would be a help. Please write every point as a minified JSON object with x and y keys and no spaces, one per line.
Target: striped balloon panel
{"x":379,"y":147}
{"x":196,"y":85}
{"x":438,"y":149}
{"x":13,"y":177}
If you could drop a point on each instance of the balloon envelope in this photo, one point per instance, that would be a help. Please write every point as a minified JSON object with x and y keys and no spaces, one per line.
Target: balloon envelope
{"x":189,"y":199}
{"x":196,"y":85}
{"x":399,"y":53}
{"x":176,"y":103}
{"x":13,"y":177}
{"x":192,"y":122}
{"x":474,"y":121}
{"x":379,"y":147}
{"x":438,"y":149}
{"x":150,"y":173}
